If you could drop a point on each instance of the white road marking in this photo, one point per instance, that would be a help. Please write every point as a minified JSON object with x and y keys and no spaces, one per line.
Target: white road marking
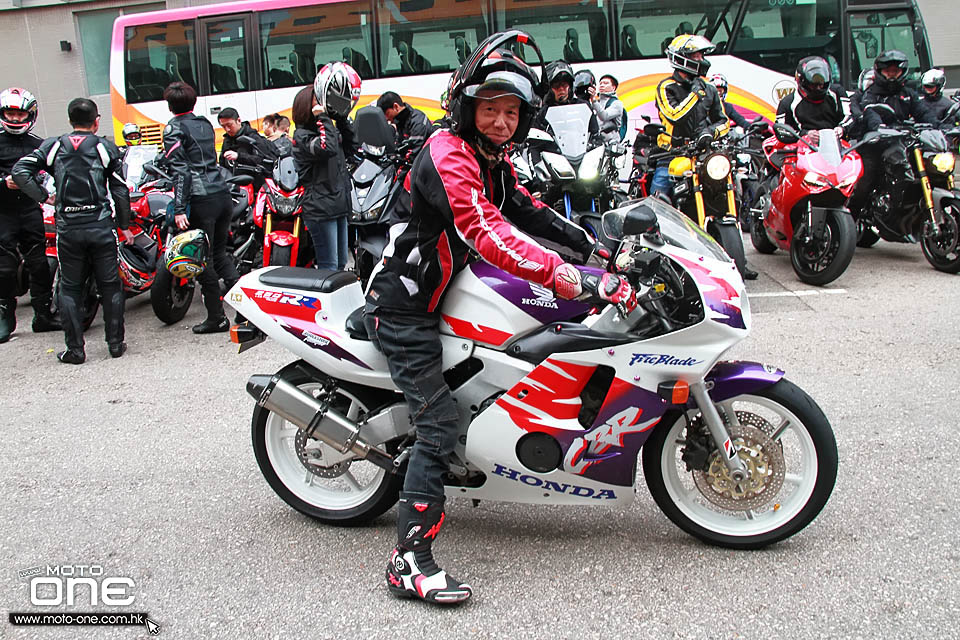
{"x":794,"y":294}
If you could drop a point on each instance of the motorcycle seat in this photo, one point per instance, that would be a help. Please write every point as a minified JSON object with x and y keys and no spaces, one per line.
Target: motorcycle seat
{"x":319,"y":280}
{"x":354,"y":325}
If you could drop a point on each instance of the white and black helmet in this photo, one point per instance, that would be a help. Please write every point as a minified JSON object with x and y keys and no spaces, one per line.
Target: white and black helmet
{"x":337,"y":88}
{"x":933,"y":78}
{"x":17,"y":99}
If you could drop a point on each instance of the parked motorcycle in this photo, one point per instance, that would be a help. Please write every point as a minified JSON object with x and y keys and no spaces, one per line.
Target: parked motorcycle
{"x":704,"y":190}
{"x":377,"y":183}
{"x":277,"y":213}
{"x":919,"y":204}
{"x":801,"y":207}
{"x":556,"y":398}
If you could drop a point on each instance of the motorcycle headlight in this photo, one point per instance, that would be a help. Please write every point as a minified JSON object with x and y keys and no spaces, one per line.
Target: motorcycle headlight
{"x":283,"y":205}
{"x":718,"y":167}
{"x":374,"y":212}
{"x":559,"y":165}
{"x":590,"y":165}
{"x":846,"y":183}
{"x":943,"y":163}
{"x":815,"y":179}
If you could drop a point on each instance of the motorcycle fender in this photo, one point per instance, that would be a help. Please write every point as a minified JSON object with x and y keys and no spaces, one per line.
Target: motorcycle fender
{"x":281,"y":238}
{"x":939,"y":194}
{"x":732,"y":378}
{"x":374,"y":244}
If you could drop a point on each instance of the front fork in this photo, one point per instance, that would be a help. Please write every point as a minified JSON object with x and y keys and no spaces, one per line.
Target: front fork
{"x":927,"y":189}
{"x":738,"y":471}
{"x":698,"y":198}
{"x":731,"y":200}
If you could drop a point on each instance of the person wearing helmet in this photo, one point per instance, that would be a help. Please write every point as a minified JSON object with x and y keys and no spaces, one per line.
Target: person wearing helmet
{"x":411,"y":124}
{"x":856,"y":100}
{"x":323,"y":139}
{"x":88,"y":173}
{"x":933,"y":81}
{"x":131,"y":134}
{"x":201,"y":197}
{"x":585,"y":85}
{"x":21,"y":219}
{"x":720,"y":82}
{"x":816,"y":104}
{"x":464,"y":200}
{"x":611,"y":115}
{"x":560,"y":78}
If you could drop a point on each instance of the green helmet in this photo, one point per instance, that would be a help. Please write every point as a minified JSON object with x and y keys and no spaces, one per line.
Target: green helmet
{"x":186,"y":256}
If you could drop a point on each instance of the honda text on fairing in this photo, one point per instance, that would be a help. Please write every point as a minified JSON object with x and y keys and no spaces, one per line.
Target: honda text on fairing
{"x":802,"y":206}
{"x":556,"y":398}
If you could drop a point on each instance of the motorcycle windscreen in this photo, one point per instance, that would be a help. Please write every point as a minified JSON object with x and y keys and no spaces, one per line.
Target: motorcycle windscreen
{"x":829,"y":148}
{"x":134,"y":160}
{"x":571,"y":128}
{"x":285,"y":174}
{"x":675,"y":228}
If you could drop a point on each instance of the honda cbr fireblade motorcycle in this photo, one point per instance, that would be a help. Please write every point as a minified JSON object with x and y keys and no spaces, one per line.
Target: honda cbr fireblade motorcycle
{"x":556,"y":398}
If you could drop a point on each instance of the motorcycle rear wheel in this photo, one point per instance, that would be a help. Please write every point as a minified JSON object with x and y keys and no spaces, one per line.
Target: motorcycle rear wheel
{"x":937,"y":249}
{"x":789,"y":449}
{"x":170,"y":300}
{"x":346,"y":491}
{"x":827,"y":261}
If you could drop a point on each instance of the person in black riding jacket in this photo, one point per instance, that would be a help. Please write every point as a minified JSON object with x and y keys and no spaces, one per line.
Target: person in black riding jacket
{"x":465,"y":201}
{"x":720,"y":82}
{"x":254,"y":155}
{"x":322,"y":141}
{"x":886,"y":102}
{"x":933,"y":81}
{"x":560,"y":76}
{"x":411,"y":124}
{"x":816,"y":104}
{"x":201,"y":197}
{"x":276,"y":128}
{"x":21,"y":219}
{"x":88,"y":173}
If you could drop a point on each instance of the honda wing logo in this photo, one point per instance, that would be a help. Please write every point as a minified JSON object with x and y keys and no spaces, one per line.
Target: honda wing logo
{"x":542,"y":297}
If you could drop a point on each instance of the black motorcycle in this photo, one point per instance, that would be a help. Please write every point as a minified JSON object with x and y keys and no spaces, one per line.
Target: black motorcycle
{"x":914,"y":201}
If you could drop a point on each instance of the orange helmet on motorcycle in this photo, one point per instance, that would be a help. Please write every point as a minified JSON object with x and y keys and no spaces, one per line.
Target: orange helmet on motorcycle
{"x":186,"y":256}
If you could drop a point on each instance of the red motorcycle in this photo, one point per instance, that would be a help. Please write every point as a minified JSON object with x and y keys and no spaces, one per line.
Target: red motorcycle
{"x":277,"y":214}
{"x":801,"y":206}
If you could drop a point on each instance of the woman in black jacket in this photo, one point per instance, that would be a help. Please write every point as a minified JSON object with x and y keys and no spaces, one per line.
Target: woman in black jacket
{"x":320,"y":143}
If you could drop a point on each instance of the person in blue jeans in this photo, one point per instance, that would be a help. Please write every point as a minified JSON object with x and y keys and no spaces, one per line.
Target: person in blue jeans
{"x":321,"y":142}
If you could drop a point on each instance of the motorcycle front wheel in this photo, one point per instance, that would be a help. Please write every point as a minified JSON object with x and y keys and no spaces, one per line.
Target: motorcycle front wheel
{"x":728,"y":235}
{"x":942,"y":250}
{"x":169,"y":298}
{"x":790,"y":453}
{"x":822,"y":260}
{"x":313,"y":477}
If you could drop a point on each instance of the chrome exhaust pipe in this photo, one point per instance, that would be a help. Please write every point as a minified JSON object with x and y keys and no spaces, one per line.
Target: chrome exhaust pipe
{"x":316,"y":420}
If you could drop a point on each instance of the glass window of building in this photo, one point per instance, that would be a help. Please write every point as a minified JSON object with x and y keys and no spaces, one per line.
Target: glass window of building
{"x":96,"y":30}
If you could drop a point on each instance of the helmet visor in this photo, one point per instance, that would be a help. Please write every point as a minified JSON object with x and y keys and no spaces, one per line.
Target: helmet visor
{"x":503,"y":83}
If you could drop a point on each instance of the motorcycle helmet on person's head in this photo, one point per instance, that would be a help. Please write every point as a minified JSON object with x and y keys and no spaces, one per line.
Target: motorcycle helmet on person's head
{"x":337,"y":88}
{"x":186,"y":255}
{"x":933,"y":81}
{"x":893,"y":59}
{"x":131,"y":134}
{"x":494,"y":70}
{"x":18,"y":110}
{"x":582,"y":81}
{"x":720,"y":82}
{"x":865,"y":79}
{"x":682,"y":50}
{"x":813,"y":78}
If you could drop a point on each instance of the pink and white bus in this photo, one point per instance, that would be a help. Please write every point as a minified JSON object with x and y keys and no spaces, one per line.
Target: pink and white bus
{"x":254,"y":55}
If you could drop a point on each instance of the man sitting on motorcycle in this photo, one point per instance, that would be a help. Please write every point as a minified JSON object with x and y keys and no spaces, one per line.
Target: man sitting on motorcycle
{"x":887,"y":102}
{"x":932,"y":81}
{"x":560,"y":76}
{"x":720,"y":82}
{"x":815,"y":105}
{"x":462,"y":189}
{"x":689,"y":107}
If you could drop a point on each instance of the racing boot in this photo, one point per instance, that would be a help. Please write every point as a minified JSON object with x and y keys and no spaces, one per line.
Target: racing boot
{"x":8,"y":318}
{"x":43,"y":318}
{"x":412,"y":571}
{"x":212,"y":325}
{"x":748,"y":273}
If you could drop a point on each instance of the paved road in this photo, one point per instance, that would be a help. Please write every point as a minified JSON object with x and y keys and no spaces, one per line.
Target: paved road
{"x":144,"y":466}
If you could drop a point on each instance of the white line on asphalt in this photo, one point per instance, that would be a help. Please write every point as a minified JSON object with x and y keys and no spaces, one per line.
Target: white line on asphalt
{"x":794,"y":294}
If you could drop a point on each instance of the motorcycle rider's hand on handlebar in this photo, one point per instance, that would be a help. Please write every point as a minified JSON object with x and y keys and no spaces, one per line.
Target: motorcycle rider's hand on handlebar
{"x":704,"y":140}
{"x":571,"y":283}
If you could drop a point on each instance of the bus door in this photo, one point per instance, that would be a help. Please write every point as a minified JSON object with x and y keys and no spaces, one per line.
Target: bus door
{"x":228,"y":71}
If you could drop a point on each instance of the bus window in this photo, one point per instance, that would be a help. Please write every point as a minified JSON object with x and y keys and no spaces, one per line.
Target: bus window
{"x":295,"y":42}
{"x":777,"y":35}
{"x":156,"y":55}
{"x":874,"y":32}
{"x":564,"y":30}
{"x":428,"y":36}
{"x":646,"y":28}
{"x":227,"y":56}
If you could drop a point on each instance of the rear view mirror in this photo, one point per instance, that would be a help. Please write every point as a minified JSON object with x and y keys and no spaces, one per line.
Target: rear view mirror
{"x":639,"y":220}
{"x":785,"y":133}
